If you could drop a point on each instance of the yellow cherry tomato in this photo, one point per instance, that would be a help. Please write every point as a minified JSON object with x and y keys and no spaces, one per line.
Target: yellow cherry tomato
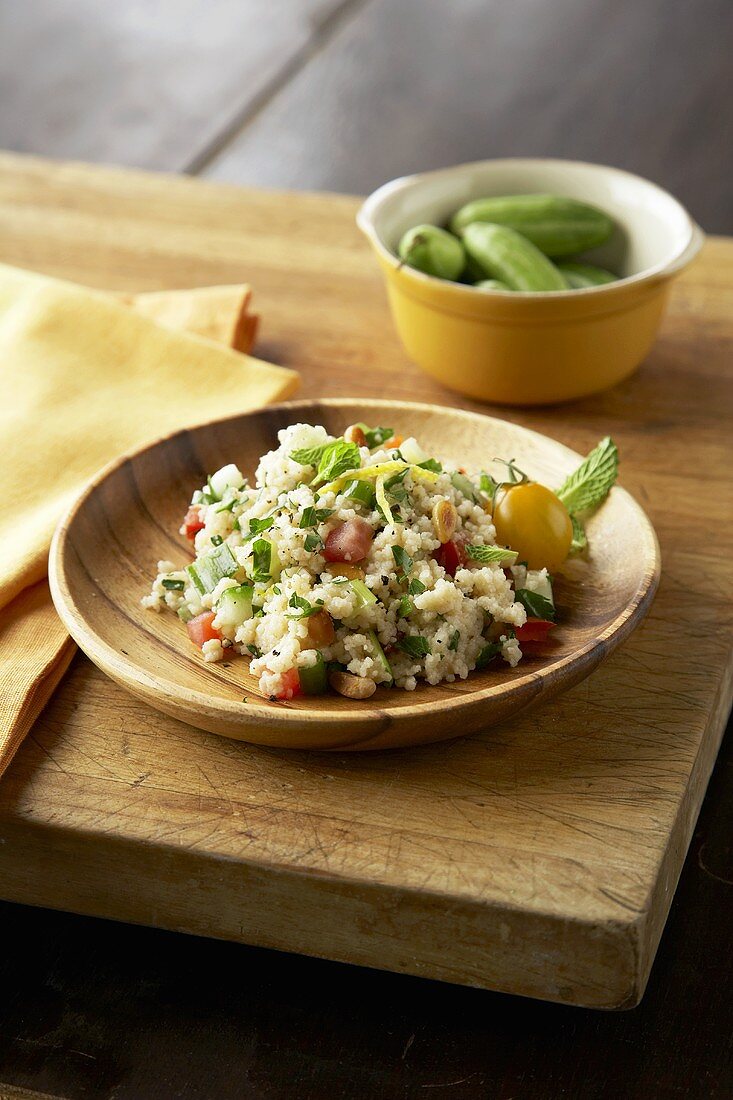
{"x":530,"y":519}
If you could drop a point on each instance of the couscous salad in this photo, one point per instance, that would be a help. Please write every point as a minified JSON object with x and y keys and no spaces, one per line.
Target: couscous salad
{"x":361,"y":561}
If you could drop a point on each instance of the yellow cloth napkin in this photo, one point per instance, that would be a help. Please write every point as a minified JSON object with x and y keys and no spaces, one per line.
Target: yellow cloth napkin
{"x":84,"y":378}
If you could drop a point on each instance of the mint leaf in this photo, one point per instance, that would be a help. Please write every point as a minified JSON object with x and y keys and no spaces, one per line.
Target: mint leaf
{"x":415,"y":587}
{"x":256,"y":526}
{"x":261,"y":560}
{"x":312,"y":516}
{"x":303,"y":608}
{"x":487,"y":484}
{"x":336,"y":459}
{"x":414,"y":645}
{"x":487,"y":554}
{"x":406,"y":607}
{"x":309,"y":456}
{"x":539,"y":607}
{"x":592,"y":481}
{"x":173,"y":585}
{"x":487,"y":654}
{"x":313,"y":542}
{"x":403,"y":561}
{"x":431,"y":464}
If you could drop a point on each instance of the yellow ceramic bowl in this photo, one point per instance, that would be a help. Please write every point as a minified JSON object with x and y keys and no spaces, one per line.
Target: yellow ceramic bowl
{"x":529,"y":348}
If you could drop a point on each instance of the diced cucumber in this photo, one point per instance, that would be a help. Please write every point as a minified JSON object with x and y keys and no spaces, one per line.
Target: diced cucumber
{"x":313,"y":678}
{"x":212,"y":567}
{"x":234,"y":606}
{"x":360,"y":491}
{"x":228,"y":477}
{"x":184,"y":614}
{"x":364,"y":595}
{"x":465,"y":485}
{"x":379,"y":653}
{"x":275,"y":563}
{"x":412,"y":452}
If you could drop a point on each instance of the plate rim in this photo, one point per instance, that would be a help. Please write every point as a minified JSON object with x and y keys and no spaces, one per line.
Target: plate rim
{"x":283,"y":715}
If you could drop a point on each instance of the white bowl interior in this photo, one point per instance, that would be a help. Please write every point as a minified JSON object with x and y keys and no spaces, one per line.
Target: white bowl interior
{"x":653,"y":229}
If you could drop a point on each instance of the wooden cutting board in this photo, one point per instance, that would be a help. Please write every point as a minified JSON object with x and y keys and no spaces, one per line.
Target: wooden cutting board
{"x":538,"y":858}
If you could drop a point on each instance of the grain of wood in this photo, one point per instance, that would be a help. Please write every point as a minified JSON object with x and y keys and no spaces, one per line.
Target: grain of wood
{"x":135,"y":83}
{"x":409,"y":86}
{"x":571,"y":821}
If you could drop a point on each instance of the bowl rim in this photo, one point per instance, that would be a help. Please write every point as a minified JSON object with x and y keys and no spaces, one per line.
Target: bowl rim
{"x":366,"y":215}
{"x":154,"y":687}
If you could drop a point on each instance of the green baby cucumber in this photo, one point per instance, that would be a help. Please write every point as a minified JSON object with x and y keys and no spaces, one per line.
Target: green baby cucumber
{"x":557,"y":226}
{"x":433,"y":251}
{"x":491,"y":284}
{"x":578,"y":276}
{"x":505,"y":254}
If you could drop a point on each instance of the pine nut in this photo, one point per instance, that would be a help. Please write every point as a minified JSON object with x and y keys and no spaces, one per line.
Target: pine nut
{"x":445,"y":519}
{"x":353,"y":687}
{"x":354,"y":434}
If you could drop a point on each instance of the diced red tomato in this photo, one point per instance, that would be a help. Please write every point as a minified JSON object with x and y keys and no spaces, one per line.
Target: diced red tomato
{"x":452,"y":555}
{"x":192,"y":522}
{"x":350,"y":541}
{"x":534,"y":630}
{"x":200,"y":629}
{"x":291,"y":685}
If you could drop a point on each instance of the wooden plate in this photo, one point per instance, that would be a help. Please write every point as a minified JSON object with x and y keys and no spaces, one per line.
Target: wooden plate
{"x":105,"y":551}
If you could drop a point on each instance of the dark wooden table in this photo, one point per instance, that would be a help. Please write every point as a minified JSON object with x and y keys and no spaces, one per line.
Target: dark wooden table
{"x":341,"y":95}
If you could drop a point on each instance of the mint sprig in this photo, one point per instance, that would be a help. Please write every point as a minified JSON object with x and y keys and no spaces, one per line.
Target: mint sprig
{"x":330,"y":459}
{"x":591,"y":483}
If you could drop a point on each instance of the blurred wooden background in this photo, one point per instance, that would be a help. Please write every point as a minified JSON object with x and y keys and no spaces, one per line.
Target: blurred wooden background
{"x":345,"y":94}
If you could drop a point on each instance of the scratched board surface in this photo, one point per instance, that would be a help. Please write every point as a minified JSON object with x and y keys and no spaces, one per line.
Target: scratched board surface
{"x":539,"y":857}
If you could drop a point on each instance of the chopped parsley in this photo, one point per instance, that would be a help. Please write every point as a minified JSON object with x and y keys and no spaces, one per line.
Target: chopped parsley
{"x":415,"y":587}
{"x":454,"y":640}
